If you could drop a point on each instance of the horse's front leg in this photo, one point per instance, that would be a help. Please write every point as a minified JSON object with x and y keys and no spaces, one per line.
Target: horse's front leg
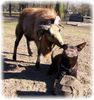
{"x":38,"y":60}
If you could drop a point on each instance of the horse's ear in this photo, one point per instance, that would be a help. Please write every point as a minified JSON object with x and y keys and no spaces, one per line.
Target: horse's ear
{"x":57,"y":20}
{"x":81,"y":46}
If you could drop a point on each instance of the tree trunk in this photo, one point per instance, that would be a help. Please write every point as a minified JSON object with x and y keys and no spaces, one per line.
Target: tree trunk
{"x":22,"y":6}
{"x":10,"y":9}
{"x":57,"y":9}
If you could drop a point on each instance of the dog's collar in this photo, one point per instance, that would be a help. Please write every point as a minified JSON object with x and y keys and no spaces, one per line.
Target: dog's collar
{"x":62,"y":66}
{"x":65,"y":68}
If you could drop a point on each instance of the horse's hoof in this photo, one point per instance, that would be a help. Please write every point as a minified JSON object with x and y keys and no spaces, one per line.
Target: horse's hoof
{"x":14,"y":58}
{"x":30,"y":53}
{"x":37,"y":65}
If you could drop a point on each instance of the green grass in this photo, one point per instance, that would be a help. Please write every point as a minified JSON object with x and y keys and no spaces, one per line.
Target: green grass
{"x":9,"y":23}
{"x":9,"y":28}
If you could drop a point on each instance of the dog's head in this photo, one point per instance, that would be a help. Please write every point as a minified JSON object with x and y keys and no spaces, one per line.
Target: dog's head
{"x":70,"y":55}
{"x":72,"y":51}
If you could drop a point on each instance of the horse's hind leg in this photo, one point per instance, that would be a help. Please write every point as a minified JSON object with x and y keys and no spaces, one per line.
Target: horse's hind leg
{"x":28,"y":48}
{"x":19,"y":34}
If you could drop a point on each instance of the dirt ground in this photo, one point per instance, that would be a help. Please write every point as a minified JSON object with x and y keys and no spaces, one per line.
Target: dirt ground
{"x":20,"y":78}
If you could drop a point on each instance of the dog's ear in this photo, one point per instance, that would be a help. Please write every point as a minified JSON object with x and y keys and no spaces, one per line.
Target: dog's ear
{"x":81,"y":46}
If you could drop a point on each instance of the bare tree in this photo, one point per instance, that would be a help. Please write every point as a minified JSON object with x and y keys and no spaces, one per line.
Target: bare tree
{"x":57,"y":8}
{"x":22,"y":6}
{"x":84,"y":9}
{"x":9,"y":9}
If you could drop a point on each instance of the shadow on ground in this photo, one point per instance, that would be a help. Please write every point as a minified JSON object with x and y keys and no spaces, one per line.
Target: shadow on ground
{"x":32,"y":93}
{"x":12,"y":53}
{"x":29,"y":73}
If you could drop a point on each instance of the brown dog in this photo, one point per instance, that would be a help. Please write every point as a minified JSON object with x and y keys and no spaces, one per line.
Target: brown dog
{"x":66,"y":63}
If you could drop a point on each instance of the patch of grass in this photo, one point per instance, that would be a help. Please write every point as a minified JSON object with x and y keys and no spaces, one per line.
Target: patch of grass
{"x":12,"y":14}
{"x":10,"y":25}
{"x":8,"y":28}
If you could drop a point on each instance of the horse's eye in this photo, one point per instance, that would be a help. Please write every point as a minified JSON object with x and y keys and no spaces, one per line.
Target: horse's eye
{"x":52,"y":36}
{"x":59,"y":30}
{"x":48,"y":31}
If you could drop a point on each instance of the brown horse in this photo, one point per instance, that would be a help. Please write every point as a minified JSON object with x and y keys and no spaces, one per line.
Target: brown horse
{"x":37,"y":24}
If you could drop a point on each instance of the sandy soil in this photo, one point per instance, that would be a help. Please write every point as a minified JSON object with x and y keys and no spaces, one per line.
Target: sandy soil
{"x":20,"y":78}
